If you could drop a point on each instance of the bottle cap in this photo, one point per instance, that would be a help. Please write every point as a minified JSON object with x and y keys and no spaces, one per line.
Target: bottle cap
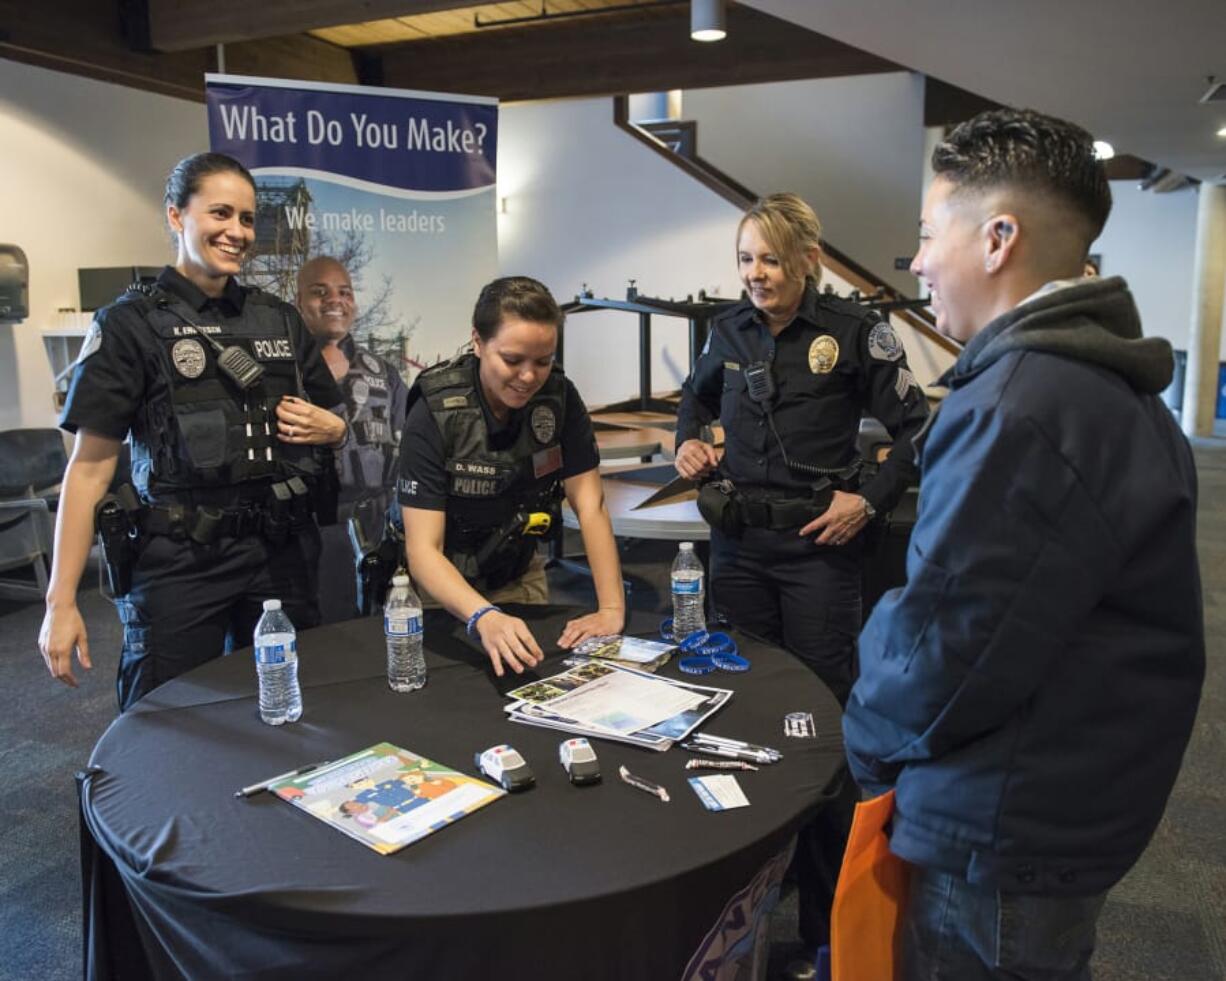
{"x":272,"y":605}
{"x":687,"y":546}
{"x":401,"y":580}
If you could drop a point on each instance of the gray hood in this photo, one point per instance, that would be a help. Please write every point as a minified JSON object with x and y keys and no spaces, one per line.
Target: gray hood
{"x":1095,"y":321}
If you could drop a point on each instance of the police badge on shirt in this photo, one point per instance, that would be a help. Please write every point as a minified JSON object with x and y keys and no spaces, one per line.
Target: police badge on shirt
{"x":544,"y":424}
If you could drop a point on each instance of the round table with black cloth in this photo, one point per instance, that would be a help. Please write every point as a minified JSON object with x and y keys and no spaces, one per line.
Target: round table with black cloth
{"x":184,"y":879}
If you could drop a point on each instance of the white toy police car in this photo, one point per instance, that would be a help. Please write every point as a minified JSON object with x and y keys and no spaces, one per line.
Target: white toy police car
{"x":505,"y":766}
{"x":579,"y":761}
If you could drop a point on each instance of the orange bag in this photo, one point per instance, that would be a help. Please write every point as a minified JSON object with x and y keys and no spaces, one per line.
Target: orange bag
{"x":869,"y":899}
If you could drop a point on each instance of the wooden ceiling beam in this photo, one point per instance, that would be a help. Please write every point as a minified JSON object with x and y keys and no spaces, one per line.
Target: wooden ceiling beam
{"x":180,"y":25}
{"x":86,"y":37}
{"x":646,"y":51}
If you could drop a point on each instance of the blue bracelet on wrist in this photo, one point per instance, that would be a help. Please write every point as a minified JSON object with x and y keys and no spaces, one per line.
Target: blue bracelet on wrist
{"x":477,"y":615}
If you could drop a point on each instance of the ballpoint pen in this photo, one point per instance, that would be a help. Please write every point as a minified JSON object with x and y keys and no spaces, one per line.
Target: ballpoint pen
{"x":736,"y":743}
{"x":715,"y":749}
{"x":699,"y":737}
{"x":255,"y":788}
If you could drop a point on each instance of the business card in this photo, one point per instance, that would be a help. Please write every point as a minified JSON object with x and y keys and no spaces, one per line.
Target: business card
{"x":720,"y":792}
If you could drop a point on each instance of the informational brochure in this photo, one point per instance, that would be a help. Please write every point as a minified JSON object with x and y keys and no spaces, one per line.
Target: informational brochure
{"x":386,"y":797}
{"x":610,"y":701}
{"x":639,"y":652}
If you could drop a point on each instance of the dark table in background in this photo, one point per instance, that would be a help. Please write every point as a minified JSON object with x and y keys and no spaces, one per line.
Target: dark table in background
{"x":183,"y":879}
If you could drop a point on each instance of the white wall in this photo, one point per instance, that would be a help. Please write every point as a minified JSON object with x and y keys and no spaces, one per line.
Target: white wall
{"x":587,"y":203}
{"x":851,"y":147}
{"x":83,"y":167}
{"x":1150,"y":240}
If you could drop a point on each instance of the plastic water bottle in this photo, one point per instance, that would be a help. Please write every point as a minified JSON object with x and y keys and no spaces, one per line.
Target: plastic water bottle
{"x":406,"y":664}
{"x":688,"y":593}
{"x":276,"y":662}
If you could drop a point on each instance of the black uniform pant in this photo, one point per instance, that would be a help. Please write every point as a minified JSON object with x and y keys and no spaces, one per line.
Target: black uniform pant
{"x":190,"y":603}
{"x":805,"y":598}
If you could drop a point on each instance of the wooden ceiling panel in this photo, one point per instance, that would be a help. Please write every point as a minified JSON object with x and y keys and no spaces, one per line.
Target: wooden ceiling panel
{"x":178,"y":25}
{"x":446,"y":23}
{"x":638,"y":51}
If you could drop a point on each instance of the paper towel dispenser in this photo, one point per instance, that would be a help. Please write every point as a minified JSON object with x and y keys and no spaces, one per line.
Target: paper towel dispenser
{"x":14,"y":285}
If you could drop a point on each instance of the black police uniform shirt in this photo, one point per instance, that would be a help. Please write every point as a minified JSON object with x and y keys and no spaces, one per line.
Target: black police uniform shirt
{"x":423,"y":462}
{"x":833,"y":363}
{"x":375,"y":401}
{"x":119,"y":368}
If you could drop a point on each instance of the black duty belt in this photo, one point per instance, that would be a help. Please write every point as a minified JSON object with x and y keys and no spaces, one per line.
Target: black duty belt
{"x":203,"y":524}
{"x":777,"y":515}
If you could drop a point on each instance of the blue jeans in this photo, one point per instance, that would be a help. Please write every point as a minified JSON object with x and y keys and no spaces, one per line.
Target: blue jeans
{"x":954,"y":931}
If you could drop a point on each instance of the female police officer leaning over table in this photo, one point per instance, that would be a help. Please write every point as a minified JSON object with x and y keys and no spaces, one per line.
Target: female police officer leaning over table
{"x":211,"y":381}
{"x":492,"y":438}
{"x":789,"y":372}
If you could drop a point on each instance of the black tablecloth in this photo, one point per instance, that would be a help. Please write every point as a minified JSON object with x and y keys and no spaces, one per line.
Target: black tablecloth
{"x":557,"y":882}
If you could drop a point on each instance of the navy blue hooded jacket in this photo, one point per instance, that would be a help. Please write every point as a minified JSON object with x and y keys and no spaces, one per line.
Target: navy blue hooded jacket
{"x":1030,"y":692}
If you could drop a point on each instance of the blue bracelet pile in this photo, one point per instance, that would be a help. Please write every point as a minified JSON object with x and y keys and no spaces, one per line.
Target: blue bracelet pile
{"x":707,"y":651}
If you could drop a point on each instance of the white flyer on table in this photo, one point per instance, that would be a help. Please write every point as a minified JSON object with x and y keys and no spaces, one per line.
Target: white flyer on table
{"x":624,"y":702}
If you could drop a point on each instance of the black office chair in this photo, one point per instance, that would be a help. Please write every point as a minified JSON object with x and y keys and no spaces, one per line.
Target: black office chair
{"x":32,"y":463}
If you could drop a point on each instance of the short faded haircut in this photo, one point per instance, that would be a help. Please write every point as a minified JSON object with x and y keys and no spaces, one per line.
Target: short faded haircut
{"x":1026,"y":150}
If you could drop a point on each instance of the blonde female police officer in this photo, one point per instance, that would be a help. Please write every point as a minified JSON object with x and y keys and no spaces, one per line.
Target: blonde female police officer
{"x":219,"y":388}
{"x":492,"y":438}
{"x":789,"y":372}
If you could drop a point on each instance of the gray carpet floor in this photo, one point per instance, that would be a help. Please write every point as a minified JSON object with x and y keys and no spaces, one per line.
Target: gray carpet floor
{"x":1166,"y":920}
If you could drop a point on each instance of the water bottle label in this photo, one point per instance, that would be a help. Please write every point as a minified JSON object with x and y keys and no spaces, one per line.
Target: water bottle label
{"x":685,"y":586}
{"x":274,"y":653}
{"x":401,"y":626}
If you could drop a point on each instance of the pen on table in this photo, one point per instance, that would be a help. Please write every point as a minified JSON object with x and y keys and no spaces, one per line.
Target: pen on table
{"x":652,"y":788}
{"x":715,"y":749}
{"x":735,"y":743}
{"x":255,"y":788}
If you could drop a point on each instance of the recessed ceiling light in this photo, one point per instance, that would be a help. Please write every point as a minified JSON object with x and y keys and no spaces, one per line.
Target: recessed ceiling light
{"x":1103,"y":150}
{"x":1222,"y":132}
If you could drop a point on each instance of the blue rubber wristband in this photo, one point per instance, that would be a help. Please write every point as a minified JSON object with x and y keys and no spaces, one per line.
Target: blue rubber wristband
{"x":697,"y":664}
{"x":478,"y":614}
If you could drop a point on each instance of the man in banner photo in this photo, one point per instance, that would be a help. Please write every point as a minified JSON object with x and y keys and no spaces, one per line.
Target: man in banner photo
{"x":399,"y":187}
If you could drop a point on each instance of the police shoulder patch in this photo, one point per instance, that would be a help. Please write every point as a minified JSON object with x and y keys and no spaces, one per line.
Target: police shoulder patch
{"x":92,"y":342}
{"x":883,"y":343}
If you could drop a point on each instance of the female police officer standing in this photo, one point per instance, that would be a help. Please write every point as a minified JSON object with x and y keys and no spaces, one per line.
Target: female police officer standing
{"x":211,"y":381}
{"x":789,"y":372}
{"x":492,"y":441}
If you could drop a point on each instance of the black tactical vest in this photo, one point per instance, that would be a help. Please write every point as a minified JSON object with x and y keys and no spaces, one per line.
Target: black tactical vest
{"x":369,"y":462}
{"x":486,"y":488}
{"x":209,"y":432}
